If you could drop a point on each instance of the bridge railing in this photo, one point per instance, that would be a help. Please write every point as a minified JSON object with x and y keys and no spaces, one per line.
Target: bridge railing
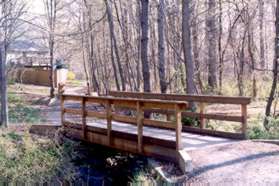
{"x":201,"y":101}
{"x":110,"y":114}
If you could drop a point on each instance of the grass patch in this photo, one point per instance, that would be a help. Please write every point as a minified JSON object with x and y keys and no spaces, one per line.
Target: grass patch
{"x":24,"y":158}
{"x":24,"y":114}
{"x":20,"y":111}
{"x":257,"y":131}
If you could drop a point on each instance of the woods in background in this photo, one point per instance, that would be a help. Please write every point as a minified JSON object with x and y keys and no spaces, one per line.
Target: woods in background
{"x":176,"y":46}
{"x":168,"y":46}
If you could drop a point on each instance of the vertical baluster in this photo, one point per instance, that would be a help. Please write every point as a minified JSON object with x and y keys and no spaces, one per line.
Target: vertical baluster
{"x":178,"y":126}
{"x":140,"y":117}
{"x":109,"y":120}
{"x":244,"y":119}
{"x":84,"y":128}
{"x":202,"y":121}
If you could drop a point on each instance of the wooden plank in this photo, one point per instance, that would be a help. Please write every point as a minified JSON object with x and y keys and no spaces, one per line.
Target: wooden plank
{"x":181,"y":97}
{"x":244,"y":119}
{"x":96,"y":100}
{"x":123,"y":142}
{"x":162,"y":105}
{"x":178,"y":127}
{"x":125,"y":103}
{"x":124,"y":119}
{"x":83,"y":103}
{"x":122,"y":100}
{"x":73,"y":111}
{"x":158,"y":124}
{"x":100,"y":115}
{"x":72,"y":98}
{"x":109,"y":120}
{"x":147,"y":140}
{"x":199,"y":131}
{"x":140,"y":117}
{"x":213,"y":116}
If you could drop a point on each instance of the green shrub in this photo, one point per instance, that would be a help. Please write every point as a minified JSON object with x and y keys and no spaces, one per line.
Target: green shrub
{"x":259,"y":132}
{"x":14,"y":98}
{"x":192,"y":122}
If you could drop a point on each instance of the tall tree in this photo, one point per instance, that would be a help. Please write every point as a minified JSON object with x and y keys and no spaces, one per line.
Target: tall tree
{"x":114,"y":44}
{"x":144,"y":45}
{"x":275,"y":69}
{"x":10,"y":13}
{"x":161,"y":45}
{"x":221,"y":62}
{"x":187,"y":46}
{"x":3,"y":84}
{"x":211,"y":33}
{"x":262,"y":44}
{"x":51,"y":15}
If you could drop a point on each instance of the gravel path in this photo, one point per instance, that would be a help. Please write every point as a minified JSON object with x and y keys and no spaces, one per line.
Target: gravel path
{"x":243,"y":163}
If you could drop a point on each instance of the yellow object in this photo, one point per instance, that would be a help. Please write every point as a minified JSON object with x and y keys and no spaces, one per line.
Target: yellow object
{"x":71,"y":75}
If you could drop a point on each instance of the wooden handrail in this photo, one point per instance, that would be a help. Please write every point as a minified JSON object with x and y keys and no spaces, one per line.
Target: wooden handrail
{"x":139,"y":104}
{"x":201,"y":100}
{"x":182,"y":97}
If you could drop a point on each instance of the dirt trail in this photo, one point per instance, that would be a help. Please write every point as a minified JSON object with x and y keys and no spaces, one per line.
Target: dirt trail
{"x":240,"y":163}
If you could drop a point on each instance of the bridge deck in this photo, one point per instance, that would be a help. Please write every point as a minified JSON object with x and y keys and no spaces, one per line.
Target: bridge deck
{"x":104,"y":121}
{"x":189,"y":141}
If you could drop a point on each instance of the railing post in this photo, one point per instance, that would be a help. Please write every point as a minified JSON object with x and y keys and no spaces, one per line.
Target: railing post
{"x":62,"y":110}
{"x":178,"y":126}
{"x":244,"y":119}
{"x":202,"y":121}
{"x":84,"y":128}
{"x":140,"y":117}
{"x":109,"y":120}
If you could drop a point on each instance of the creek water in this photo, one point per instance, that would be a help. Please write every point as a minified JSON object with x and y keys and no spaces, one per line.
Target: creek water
{"x":97,"y":165}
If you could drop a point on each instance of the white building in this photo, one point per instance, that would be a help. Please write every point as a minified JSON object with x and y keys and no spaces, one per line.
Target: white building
{"x":27,"y":53}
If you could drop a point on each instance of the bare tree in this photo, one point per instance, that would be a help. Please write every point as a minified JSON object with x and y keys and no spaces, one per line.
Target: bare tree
{"x":275,"y":70}
{"x":262,"y":44}
{"x":51,"y":7}
{"x":11,"y":12}
{"x":144,"y":45}
{"x":114,"y":48}
{"x":161,"y":45}
{"x":187,"y":47}
{"x":211,"y":32}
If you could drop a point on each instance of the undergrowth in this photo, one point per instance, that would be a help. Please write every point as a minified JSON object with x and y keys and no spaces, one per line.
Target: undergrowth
{"x":258,"y":131}
{"x":20,"y":111}
{"x":28,"y":159}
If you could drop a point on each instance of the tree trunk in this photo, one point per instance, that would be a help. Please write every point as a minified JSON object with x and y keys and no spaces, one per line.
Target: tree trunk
{"x":51,"y":60}
{"x":196,"y":51}
{"x":161,"y":46}
{"x":114,"y":45}
{"x":3,"y":84}
{"x":262,"y":45}
{"x":144,"y":45}
{"x":221,"y":62}
{"x":275,"y":70}
{"x":187,"y":47}
{"x":212,"y":44}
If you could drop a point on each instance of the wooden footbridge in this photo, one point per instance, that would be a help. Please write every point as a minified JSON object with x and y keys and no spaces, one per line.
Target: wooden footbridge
{"x":149,"y":124}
